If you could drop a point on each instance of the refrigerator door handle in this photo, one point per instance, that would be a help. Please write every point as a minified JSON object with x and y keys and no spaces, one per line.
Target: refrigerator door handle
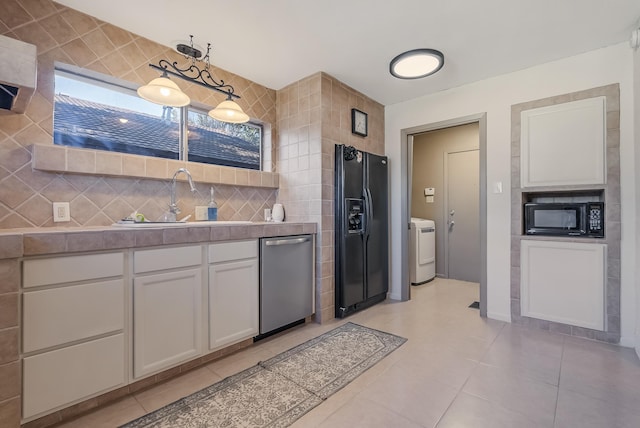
{"x":369,"y":208}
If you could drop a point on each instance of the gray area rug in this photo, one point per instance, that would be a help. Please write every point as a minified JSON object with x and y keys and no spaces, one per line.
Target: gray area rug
{"x":276,"y":392}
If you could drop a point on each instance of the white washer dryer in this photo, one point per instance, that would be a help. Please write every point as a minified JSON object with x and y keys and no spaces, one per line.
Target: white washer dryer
{"x":423,"y":251}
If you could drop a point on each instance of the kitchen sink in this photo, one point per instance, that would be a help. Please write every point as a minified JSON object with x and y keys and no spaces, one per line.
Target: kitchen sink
{"x":151,"y":224}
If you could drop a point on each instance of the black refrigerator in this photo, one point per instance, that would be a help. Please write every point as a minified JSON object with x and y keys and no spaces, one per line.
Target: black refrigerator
{"x":361,"y":230}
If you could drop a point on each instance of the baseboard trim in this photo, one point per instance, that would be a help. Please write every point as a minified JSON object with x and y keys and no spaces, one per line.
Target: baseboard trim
{"x":499,"y":316}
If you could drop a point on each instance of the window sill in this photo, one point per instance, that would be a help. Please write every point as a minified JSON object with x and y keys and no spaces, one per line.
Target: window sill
{"x":63,"y":159}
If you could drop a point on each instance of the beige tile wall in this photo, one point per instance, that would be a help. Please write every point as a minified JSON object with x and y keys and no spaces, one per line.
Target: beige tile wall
{"x":314,"y":114}
{"x":68,"y":36}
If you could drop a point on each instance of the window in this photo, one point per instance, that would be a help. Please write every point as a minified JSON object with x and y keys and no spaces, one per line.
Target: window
{"x":98,"y":114}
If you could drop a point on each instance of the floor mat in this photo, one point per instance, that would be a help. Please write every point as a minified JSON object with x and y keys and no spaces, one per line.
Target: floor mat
{"x":277,"y":392}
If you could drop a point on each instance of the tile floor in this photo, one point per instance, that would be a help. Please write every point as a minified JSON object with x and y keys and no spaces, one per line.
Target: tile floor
{"x":456,"y":370}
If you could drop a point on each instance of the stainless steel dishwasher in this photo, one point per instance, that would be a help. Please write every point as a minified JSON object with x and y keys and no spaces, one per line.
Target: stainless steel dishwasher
{"x":286,"y":281}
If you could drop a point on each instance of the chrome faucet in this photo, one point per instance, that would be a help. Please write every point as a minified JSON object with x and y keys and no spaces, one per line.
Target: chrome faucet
{"x":173,"y":206}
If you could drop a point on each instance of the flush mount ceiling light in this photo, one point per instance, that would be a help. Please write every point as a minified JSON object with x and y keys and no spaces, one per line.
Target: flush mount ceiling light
{"x":417,"y":63}
{"x":165,"y":92}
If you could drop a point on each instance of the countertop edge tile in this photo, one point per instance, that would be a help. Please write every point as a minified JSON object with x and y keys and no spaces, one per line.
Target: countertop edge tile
{"x":16,"y":243}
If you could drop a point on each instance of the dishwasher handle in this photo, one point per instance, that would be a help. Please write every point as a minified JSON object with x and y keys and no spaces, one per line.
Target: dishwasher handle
{"x":272,"y":242}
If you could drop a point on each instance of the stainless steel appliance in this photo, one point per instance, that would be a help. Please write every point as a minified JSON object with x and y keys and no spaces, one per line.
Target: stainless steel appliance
{"x":286,"y":281}
{"x":568,"y":219}
{"x":361,"y":230}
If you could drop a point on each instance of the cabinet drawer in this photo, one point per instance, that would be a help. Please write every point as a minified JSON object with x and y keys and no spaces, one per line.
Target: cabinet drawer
{"x":233,"y":250}
{"x":57,"y":270}
{"x":57,"y":316}
{"x":65,"y":375}
{"x":166,"y":258}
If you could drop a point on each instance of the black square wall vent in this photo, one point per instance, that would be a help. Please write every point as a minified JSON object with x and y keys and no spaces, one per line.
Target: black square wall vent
{"x":7,"y":95}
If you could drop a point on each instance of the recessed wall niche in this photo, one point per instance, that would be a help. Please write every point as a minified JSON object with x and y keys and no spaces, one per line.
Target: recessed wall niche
{"x":605,"y":189}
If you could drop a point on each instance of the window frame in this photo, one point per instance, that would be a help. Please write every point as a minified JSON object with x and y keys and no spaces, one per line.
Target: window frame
{"x":130,"y":88}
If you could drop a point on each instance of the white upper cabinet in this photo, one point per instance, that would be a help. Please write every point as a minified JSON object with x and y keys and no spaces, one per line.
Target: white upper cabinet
{"x":564,"y":144}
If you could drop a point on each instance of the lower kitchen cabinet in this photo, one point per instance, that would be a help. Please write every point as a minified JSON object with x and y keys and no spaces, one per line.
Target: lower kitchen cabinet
{"x":563,"y":282}
{"x":55,"y":378}
{"x":73,"y":330}
{"x":167,"y":320}
{"x":233,"y":292}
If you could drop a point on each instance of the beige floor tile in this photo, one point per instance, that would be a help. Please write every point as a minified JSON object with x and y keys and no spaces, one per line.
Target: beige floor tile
{"x":513,"y":360}
{"x":360,"y":412}
{"x":579,"y":411}
{"x":468,"y":411}
{"x":422,"y":401}
{"x":532,"y":341}
{"x":110,"y":416}
{"x":536,"y":400}
{"x":435,"y":364}
{"x":175,"y":389}
{"x":601,"y":371}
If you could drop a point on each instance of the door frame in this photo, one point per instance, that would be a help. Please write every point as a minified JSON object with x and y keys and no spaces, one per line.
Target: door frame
{"x":406,"y":158}
{"x":446,"y":202}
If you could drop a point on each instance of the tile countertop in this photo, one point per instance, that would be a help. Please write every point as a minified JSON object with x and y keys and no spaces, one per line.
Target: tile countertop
{"x":15,"y":243}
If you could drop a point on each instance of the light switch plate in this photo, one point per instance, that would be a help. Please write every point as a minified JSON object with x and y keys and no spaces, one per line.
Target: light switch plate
{"x":61,"y":212}
{"x":201,"y":213}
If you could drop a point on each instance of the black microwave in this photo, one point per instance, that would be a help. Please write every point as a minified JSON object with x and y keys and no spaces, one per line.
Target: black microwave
{"x":564,"y":219}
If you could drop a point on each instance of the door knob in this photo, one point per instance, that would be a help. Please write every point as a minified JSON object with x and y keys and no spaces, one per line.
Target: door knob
{"x":452,"y":212}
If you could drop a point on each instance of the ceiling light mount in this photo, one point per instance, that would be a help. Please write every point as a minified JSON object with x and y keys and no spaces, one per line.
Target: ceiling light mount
{"x":192,"y":73}
{"x":165,"y":92}
{"x":416,"y":63}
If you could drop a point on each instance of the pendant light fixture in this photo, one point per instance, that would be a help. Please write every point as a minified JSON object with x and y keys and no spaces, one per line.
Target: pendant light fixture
{"x":165,"y":92}
{"x":229,"y":111}
{"x":417,"y":63}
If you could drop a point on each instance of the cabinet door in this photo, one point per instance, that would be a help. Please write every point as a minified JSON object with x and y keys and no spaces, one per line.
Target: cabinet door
{"x":563,"y":282}
{"x":167,"y":319}
{"x":564,"y":144}
{"x":233,"y":302}
{"x":57,"y":378}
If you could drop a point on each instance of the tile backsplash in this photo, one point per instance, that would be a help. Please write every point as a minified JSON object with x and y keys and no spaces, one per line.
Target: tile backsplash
{"x":67,"y":36}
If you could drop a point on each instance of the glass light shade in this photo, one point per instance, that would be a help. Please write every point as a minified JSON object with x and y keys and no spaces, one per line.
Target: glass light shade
{"x":229,"y":111}
{"x":163,"y":91}
{"x":416,"y":63}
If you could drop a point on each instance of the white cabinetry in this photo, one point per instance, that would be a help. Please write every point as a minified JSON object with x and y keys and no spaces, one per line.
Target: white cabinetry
{"x":73,"y":337}
{"x":233,"y":292}
{"x":564,"y":144}
{"x":167,"y":308}
{"x":563,"y":282}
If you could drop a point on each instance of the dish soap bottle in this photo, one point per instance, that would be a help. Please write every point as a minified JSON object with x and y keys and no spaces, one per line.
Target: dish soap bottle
{"x":212,"y":209}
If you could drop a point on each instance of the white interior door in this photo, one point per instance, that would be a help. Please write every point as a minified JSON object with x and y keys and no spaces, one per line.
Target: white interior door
{"x":462,"y":211}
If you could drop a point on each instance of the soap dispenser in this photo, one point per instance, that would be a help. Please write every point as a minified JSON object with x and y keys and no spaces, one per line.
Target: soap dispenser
{"x":212,"y":209}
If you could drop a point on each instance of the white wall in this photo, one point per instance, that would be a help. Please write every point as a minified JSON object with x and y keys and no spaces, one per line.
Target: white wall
{"x":636,"y":83}
{"x":495,"y":97}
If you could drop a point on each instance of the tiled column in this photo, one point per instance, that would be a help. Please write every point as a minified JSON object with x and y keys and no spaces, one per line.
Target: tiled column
{"x":10,"y":371}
